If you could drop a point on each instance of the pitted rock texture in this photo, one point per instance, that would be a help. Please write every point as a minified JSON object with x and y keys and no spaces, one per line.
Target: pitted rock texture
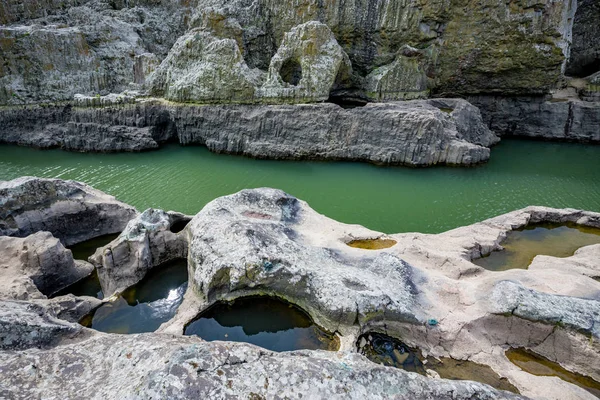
{"x":146,"y":243}
{"x":165,"y":366}
{"x":203,"y":68}
{"x":72,"y":211}
{"x":40,"y":259}
{"x":418,"y":133}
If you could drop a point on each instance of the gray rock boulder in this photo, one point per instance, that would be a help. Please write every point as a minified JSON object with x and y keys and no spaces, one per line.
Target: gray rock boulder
{"x":26,"y":325}
{"x":146,"y":243}
{"x":37,"y":263}
{"x":204,"y":68}
{"x":404,"y":79}
{"x":72,"y":211}
{"x":259,"y":242}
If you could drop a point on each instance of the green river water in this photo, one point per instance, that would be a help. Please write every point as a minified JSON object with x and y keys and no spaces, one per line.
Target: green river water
{"x":387,"y":199}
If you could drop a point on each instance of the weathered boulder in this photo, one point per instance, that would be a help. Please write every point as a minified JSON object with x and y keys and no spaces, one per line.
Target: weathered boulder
{"x":204,"y":68}
{"x":41,"y":259}
{"x":306,"y":65}
{"x":165,"y":366}
{"x":258,"y":242}
{"x":69,"y":307}
{"x":25,"y":325}
{"x":146,"y":243}
{"x":72,"y":211}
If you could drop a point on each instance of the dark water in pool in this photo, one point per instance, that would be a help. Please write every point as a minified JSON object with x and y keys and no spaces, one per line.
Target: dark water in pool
{"x":83,"y":250}
{"x":145,"y":306}
{"x":521,"y":247}
{"x":263,"y":321}
{"x":88,"y":286}
{"x":385,"y":350}
{"x":540,"y":366}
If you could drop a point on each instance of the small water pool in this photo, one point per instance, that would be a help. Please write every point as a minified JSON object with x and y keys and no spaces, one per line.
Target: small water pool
{"x":372,"y":244}
{"x":145,"y":306}
{"x":521,"y":247}
{"x":540,"y":366}
{"x":83,"y":250}
{"x":264,"y":321}
{"x":386,"y":350}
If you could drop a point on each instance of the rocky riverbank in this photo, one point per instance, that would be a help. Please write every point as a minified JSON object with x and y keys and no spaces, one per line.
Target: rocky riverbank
{"x":415,"y":133}
{"x":421,"y":289}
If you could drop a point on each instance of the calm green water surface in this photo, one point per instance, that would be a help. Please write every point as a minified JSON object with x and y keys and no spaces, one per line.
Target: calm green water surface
{"x":387,"y":199}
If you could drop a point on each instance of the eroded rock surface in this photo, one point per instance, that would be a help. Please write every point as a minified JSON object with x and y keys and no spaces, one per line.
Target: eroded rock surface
{"x":146,"y":242}
{"x":165,"y":366}
{"x":72,"y":211}
{"x":37,"y":265}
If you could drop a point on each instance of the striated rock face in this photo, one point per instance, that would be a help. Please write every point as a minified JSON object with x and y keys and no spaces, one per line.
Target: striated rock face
{"x":72,"y":211}
{"x":39,"y":259}
{"x":418,"y":133}
{"x":498,"y":47}
{"x":146,"y":242}
{"x":411,"y":133}
{"x":165,"y":366}
{"x":535,"y":117}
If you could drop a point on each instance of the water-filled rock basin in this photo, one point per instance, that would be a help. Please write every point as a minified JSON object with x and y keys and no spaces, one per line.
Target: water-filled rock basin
{"x":264,"y":321}
{"x":145,"y":306}
{"x":521,"y":246}
{"x":540,"y":366}
{"x":385,"y":350}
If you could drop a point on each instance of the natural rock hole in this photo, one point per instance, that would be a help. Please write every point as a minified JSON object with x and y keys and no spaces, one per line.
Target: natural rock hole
{"x":521,"y":246}
{"x":385,"y":350}
{"x":264,"y":321}
{"x":372,"y":244}
{"x":291,"y":72}
{"x":179,"y":225}
{"x":146,"y":305}
{"x":347,"y":102}
{"x":540,"y":366}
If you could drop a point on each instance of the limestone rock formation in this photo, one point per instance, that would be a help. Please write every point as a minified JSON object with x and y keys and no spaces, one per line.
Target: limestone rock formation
{"x":102,"y":124}
{"x":409,"y":133}
{"x":568,"y":119}
{"x":585,"y":51}
{"x":40,"y":259}
{"x":146,"y":242}
{"x":418,"y":133}
{"x":72,"y":211}
{"x":203,"y":68}
{"x":306,"y":65}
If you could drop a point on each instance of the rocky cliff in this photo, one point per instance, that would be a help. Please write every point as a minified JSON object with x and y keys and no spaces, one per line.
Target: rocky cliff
{"x":271,"y":52}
